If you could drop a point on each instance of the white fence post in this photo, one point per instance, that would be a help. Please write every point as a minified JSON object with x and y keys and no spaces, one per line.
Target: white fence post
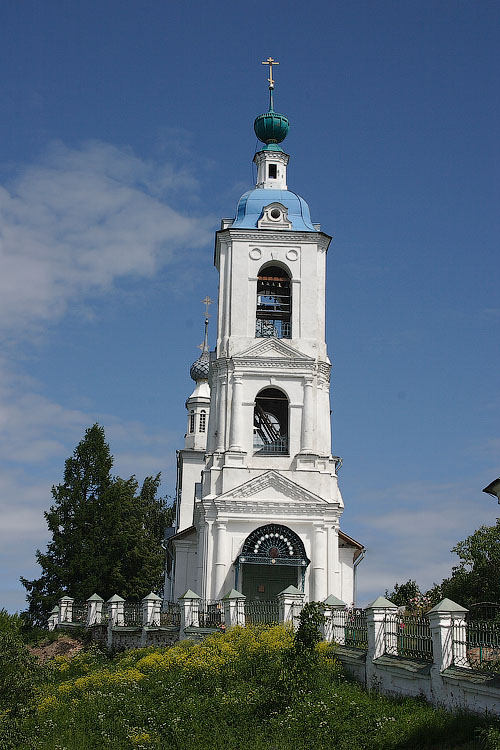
{"x":441,"y":619}
{"x":291,"y":601}
{"x":375,"y":617}
{"x":333,"y":626}
{"x":375,"y":621}
{"x":190,"y":609}
{"x":151,"y":605}
{"x":94,"y":610}
{"x":116,"y":610}
{"x":53,"y":618}
{"x":66,"y":609}
{"x":234,"y":608}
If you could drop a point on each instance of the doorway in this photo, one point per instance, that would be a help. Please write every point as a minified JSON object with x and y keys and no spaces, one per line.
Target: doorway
{"x":265,"y":582}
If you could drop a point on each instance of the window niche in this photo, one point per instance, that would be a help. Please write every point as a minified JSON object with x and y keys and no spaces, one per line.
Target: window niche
{"x":270,"y":423}
{"x":274,"y":303}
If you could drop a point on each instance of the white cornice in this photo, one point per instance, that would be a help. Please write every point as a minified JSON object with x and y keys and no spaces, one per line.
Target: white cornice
{"x":283,"y":237}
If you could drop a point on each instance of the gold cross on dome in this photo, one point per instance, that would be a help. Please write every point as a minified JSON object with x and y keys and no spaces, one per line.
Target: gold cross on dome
{"x":270,"y":62}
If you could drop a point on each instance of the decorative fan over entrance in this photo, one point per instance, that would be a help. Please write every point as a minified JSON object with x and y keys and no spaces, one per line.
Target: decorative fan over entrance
{"x":272,"y":545}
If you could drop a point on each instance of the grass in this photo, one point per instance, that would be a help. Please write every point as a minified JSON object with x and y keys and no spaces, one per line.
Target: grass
{"x":244,"y":690}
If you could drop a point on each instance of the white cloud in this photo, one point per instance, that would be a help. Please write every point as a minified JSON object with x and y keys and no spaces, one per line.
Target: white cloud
{"x":79,"y":219}
{"x":36,"y":436}
{"x":410,"y":530}
{"x":71,"y":226}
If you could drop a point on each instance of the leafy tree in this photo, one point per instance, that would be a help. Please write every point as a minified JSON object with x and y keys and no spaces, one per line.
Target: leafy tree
{"x":106,"y":534}
{"x":403,"y":594}
{"x":477,"y":577}
{"x":20,"y":674}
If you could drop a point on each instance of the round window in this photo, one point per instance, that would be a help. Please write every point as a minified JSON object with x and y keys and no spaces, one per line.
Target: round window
{"x":275,"y":213}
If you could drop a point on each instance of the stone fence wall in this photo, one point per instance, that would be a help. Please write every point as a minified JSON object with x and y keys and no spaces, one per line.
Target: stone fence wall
{"x":432,"y":655}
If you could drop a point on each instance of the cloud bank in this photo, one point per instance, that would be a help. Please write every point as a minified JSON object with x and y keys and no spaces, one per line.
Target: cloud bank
{"x":79,"y":219}
{"x":72,"y":225}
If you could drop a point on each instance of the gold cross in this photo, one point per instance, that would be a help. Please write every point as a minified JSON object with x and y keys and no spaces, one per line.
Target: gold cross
{"x":270,"y":62}
{"x":207,"y":301}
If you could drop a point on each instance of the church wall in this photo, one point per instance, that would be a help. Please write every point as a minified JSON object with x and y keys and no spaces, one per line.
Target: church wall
{"x":191,"y":464}
{"x":347,"y":574}
{"x":237,"y":292}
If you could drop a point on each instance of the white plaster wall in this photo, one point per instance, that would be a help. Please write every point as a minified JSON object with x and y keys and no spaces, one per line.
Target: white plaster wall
{"x":347,"y":574}
{"x":192,"y":464}
{"x":239,"y":261}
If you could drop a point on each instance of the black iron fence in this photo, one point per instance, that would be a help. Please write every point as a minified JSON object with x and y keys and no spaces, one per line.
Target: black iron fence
{"x":408,"y":635}
{"x":171,"y":615}
{"x":132,"y":614}
{"x":349,"y":627}
{"x":79,"y":612}
{"x":262,"y":612}
{"x":476,"y":644}
{"x":210,"y":613}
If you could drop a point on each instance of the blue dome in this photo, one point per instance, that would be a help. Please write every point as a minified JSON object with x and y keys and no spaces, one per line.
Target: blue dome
{"x":251,"y":205}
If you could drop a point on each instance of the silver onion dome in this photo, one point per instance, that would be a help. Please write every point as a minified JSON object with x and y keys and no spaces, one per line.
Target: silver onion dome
{"x":200,"y":369}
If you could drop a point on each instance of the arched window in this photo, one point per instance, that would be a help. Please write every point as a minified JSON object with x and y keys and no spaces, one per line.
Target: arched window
{"x":191,"y":421}
{"x":203,"y":420}
{"x":276,"y":543}
{"x":274,"y":303}
{"x":270,"y":422}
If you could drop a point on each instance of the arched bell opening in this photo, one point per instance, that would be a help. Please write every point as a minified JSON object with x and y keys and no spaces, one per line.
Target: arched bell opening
{"x":272,"y":558}
{"x":270,"y":422}
{"x":274,"y":303}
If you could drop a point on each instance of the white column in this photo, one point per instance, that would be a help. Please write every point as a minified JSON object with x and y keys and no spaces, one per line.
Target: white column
{"x":324,"y":418}
{"x":236,"y":414}
{"x":225,"y":297}
{"x":332,"y":543}
{"x":320,"y":563}
{"x":201,"y":557}
{"x":307,"y":418}
{"x":208,"y":557}
{"x":221,"y":415}
{"x":220,"y":558}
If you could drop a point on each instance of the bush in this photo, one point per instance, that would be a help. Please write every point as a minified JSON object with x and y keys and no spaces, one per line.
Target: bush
{"x":241,"y":689}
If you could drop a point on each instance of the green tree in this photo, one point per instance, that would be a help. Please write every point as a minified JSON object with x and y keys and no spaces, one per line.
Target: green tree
{"x":403,"y":593}
{"x":477,"y":577}
{"x":106,"y":534}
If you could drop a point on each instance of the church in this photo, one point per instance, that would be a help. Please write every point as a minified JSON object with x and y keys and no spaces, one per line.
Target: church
{"x":258,"y":500}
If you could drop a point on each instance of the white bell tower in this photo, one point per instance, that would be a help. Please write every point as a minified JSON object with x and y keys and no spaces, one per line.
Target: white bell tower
{"x":267,"y":512}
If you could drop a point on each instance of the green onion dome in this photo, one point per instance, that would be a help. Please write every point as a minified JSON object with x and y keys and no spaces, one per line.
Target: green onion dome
{"x":271,"y":127}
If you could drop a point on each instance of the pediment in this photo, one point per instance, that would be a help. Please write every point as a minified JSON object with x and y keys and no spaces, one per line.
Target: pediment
{"x":273,"y":348}
{"x":272,"y":486}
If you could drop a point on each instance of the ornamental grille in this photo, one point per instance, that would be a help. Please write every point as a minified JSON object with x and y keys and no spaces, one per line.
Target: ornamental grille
{"x":273,"y":544}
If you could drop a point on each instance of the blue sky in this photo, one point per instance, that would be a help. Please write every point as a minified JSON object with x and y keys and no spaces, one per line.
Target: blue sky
{"x":127,"y":134}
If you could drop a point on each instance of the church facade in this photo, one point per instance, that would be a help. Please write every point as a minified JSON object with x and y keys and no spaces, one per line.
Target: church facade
{"x":258,"y":500}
